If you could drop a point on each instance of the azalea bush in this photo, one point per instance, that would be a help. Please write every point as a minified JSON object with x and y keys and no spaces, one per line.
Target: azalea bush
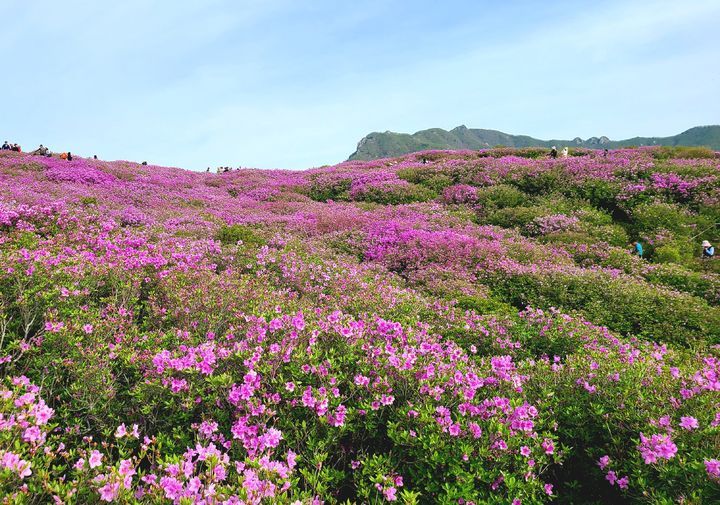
{"x":444,"y":327}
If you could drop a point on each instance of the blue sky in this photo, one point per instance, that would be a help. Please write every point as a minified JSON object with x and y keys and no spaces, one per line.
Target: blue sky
{"x":295,"y":84}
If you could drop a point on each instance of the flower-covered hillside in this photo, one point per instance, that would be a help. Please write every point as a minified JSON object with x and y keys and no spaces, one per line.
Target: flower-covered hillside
{"x":445,"y":327}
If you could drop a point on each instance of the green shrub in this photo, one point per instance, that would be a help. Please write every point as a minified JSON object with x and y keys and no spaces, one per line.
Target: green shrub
{"x":593,"y":216}
{"x":613,"y":234}
{"x":231,"y":234}
{"x":541,"y":183}
{"x":510,"y":217}
{"x":684,"y":152}
{"x":501,"y":196}
{"x":322,"y":190}
{"x":598,"y":192}
{"x":483,"y":305}
{"x":667,"y":254}
{"x":430,"y":177}
{"x":88,"y":200}
{"x":438,"y":182}
{"x":705,"y":286}
{"x":415,"y":175}
{"x":568,"y":237}
{"x":397,"y":196}
{"x":622,"y":304}
{"x":603,"y":401}
{"x":653,"y":216}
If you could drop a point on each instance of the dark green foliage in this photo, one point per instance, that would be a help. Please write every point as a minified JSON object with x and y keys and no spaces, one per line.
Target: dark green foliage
{"x":540,"y":184}
{"x":400,"y":195}
{"x":624,"y":305}
{"x":510,"y":217}
{"x":599,"y":193}
{"x":501,"y":196}
{"x":324,"y":190}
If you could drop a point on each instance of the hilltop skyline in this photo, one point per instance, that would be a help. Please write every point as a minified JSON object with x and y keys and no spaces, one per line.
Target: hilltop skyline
{"x":275,"y":84}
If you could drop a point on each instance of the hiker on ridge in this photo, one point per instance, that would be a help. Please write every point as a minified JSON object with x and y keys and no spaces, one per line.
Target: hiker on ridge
{"x":708,"y":250}
{"x":40,"y":151}
{"x":553,"y":152}
{"x":16,"y":148}
{"x":6,"y":146}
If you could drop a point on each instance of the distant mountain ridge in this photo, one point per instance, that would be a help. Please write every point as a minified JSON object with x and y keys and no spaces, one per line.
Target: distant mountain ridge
{"x":383,"y":145}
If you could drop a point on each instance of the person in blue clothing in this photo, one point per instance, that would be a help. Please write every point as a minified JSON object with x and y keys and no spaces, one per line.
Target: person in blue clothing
{"x":708,"y":249}
{"x":638,"y":249}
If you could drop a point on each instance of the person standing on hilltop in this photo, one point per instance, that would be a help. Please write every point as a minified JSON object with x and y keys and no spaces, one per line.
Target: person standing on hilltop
{"x":69,"y":156}
{"x":6,"y":146}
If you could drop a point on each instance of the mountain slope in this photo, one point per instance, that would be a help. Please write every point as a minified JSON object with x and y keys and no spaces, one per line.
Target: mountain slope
{"x":388,"y":144}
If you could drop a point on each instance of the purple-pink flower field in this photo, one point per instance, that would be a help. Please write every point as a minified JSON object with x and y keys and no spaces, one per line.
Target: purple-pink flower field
{"x":445,"y":327}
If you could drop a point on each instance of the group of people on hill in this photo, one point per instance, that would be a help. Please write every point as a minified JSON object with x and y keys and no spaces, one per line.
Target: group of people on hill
{"x":554,"y":152}
{"x":7,"y":146}
{"x":565,"y":151}
{"x":222,"y":170}
{"x":708,"y":251}
{"x":44,"y":151}
{"x":40,"y":151}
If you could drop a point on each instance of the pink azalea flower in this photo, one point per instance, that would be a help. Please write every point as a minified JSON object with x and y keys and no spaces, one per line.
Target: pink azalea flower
{"x":611,"y":477}
{"x":603,"y":462}
{"x":390,"y":493}
{"x":95,"y":459}
{"x":172,"y":487}
{"x":713,"y":467}
{"x":121,"y":431}
{"x":109,"y":491}
{"x":689,"y":423}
